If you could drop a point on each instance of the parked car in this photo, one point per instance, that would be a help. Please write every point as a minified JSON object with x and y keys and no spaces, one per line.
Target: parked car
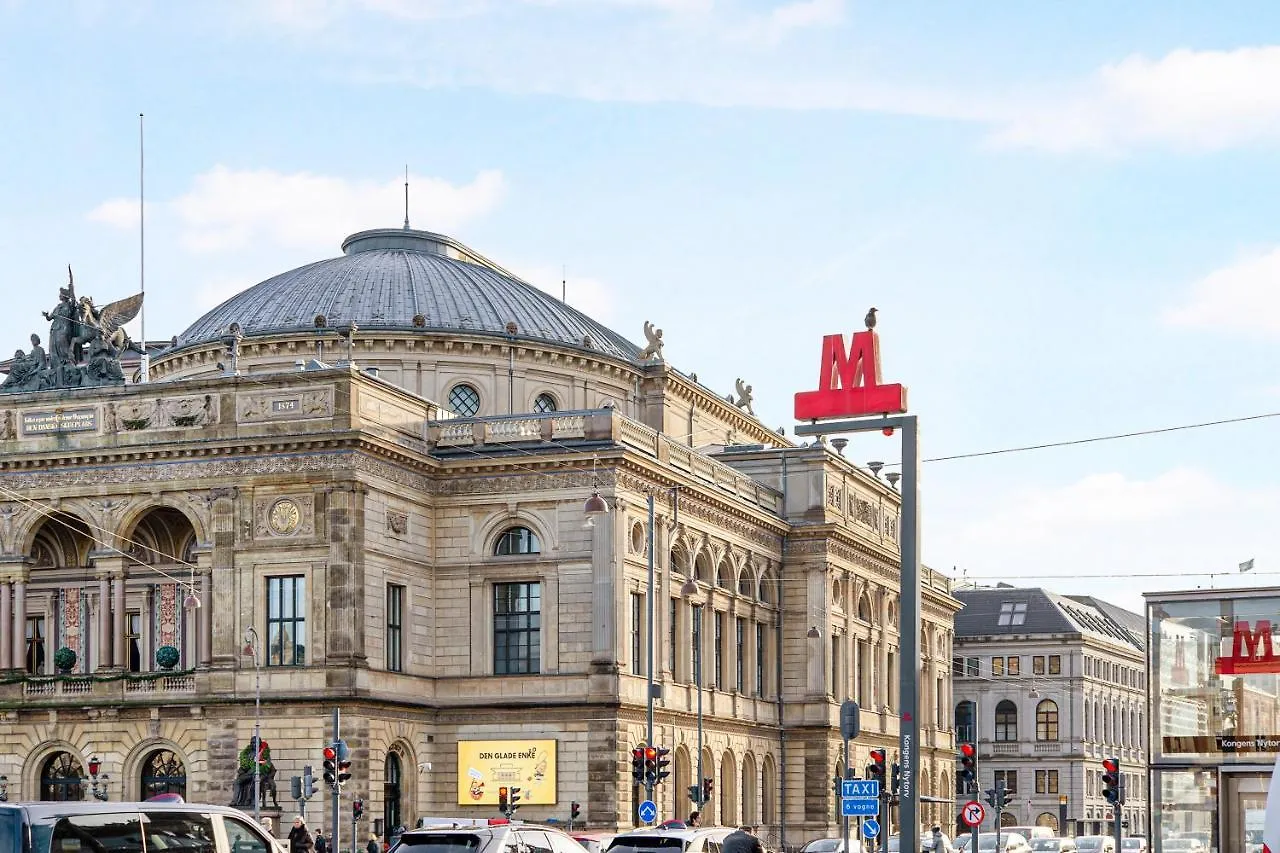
{"x":1134,"y":844}
{"x":700,"y":840}
{"x":1053,"y":845}
{"x":491,"y":838}
{"x":1010,"y":842}
{"x":1186,"y":844}
{"x":67,"y":826}
{"x":1030,"y":832}
{"x":1096,"y":844}
{"x":926,"y":843}
{"x":594,"y":842}
{"x":831,"y":845}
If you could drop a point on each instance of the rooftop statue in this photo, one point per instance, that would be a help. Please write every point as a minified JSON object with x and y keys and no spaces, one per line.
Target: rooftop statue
{"x":85,"y":343}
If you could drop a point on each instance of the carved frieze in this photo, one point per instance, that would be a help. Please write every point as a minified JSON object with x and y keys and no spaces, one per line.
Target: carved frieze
{"x":164,"y":413}
{"x":285,"y":405}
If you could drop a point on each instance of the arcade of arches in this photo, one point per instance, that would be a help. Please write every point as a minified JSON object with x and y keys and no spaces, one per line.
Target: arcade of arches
{"x":63,"y":777}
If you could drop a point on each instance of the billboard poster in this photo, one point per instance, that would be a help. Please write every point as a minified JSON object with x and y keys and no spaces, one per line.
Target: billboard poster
{"x":486,"y":765}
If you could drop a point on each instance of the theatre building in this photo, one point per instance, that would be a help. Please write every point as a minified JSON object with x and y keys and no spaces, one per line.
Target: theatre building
{"x":404,"y":483}
{"x":1215,"y":714}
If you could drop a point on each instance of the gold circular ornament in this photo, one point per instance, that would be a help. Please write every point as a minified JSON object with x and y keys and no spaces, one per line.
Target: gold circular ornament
{"x":283,"y":517}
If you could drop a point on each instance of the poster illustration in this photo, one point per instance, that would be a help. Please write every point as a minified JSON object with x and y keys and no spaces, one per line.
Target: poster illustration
{"x":486,"y":765}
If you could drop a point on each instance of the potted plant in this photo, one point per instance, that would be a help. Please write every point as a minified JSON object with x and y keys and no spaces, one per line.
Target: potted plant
{"x":167,"y":657}
{"x":64,"y":659}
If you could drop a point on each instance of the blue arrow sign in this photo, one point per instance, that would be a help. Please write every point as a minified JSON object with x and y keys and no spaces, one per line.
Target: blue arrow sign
{"x":865,"y":788}
{"x":851,"y":807}
{"x":648,"y":811}
{"x":871,"y":828}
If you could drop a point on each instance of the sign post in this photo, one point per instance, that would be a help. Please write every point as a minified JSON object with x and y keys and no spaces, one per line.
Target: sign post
{"x":850,"y":727}
{"x":849,"y":386}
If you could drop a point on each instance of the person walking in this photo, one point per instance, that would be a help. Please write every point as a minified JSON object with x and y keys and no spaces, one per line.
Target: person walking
{"x":321,"y":845}
{"x":741,"y":840}
{"x":695,"y":819}
{"x":299,"y":838}
{"x":373,"y":846}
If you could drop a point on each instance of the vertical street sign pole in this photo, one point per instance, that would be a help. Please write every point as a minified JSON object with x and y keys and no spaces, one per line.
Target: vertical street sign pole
{"x":335,"y":823}
{"x":909,"y":632}
{"x":649,"y":744}
{"x":840,"y":797}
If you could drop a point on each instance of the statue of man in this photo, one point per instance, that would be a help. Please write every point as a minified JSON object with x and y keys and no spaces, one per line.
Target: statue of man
{"x":37,"y":354}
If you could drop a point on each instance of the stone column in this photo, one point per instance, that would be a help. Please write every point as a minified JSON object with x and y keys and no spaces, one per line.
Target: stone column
{"x":20,"y":620}
{"x":6,"y":625}
{"x":118,"y":614}
{"x":111,"y":629}
{"x":225,"y":630}
{"x":105,"y":645}
{"x":604,"y":622}
{"x":206,"y":618}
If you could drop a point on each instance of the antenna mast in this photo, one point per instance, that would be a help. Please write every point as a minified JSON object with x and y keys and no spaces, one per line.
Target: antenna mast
{"x":406,"y":196}
{"x":145,"y":365}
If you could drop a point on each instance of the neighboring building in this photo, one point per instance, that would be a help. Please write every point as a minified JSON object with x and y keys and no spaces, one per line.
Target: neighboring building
{"x":1055,"y":684}
{"x":1215,"y":705}
{"x":411,"y":547}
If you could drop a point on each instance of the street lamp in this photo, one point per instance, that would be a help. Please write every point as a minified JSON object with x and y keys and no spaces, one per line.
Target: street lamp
{"x":97,"y":778}
{"x":251,"y":648}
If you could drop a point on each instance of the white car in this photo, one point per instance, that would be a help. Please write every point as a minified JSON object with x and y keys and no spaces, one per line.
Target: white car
{"x":1096,"y":844}
{"x":700,"y":840}
{"x":1134,"y":845}
{"x":831,"y":845}
{"x":1010,"y":842}
{"x":496,"y":838}
{"x":1053,"y":845}
{"x":926,"y":844}
{"x":1183,"y":845}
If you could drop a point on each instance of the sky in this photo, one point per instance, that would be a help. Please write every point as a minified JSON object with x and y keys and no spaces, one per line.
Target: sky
{"x":1068,"y":215}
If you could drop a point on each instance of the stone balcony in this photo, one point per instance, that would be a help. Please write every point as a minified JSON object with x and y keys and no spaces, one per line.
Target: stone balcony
{"x":111,"y":687}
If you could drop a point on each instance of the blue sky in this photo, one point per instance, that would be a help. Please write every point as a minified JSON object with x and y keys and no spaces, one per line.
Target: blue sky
{"x":1068,"y":214}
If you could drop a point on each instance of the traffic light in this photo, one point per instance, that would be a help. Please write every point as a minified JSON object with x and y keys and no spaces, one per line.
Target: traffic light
{"x":695,"y":794}
{"x":968,"y":761}
{"x":513,"y":798}
{"x":662,"y":764}
{"x":330,"y":768}
{"x":637,"y":765}
{"x":990,"y":798}
{"x":344,"y":771}
{"x":575,"y":809}
{"x":502,"y":800}
{"x":650,"y":765}
{"x":875,"y":770}
{"x":1111,"y":787}
{"x":708,"y":785}
{"x":295,"y":787}
{"x":357,"y":809}
{"x":896,"y":779}
{"x":308,"y":783}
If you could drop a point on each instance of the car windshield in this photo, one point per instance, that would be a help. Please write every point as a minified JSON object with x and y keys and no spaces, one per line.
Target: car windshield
{"x":1089,"y":842}
{"x":1133,"y":844}
{"x":1179,"y":844}
{"x":823,"y":845}
{"x":439,"y":842}
{"x":1045,"y":844}
{"x":645,"y":844}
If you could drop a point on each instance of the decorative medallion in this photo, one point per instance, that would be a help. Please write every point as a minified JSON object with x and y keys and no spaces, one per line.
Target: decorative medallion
{"x":284,"y":517}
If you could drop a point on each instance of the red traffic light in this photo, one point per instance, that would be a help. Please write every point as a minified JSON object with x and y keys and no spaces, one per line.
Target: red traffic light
{"x":967,"y":750}
{"x":329,"y":754}
{"x":1111,"y":765}
{"x":638,"y":753}
{"x":650,"y":753}
{"x":502,"y":793}
{"x":877,"y":755}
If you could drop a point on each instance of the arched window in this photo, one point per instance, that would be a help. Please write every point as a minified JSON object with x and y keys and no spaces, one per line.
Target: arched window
{"x":163,"y":773}
{"x":679,"y":561}
{"x":1006,"y":721}
{"x":545,"y":404}
{"x":464,"y":401}
{"x":62,"y":779}
{"x":965,"y":723}
{"x":517,"y":540}
{"x":1048,"y":819}
{"x":1047,"y":720}
{"x":392,"y":770}
{"x":769,"y":785}
{"x":1008,"y":819}
{"x":724,"y":577}
{"x":864,"y":609}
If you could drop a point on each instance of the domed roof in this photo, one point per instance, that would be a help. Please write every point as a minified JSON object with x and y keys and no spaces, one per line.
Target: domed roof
{"x":388,"y":277}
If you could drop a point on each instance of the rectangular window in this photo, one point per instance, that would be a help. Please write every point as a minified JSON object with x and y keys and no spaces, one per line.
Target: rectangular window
{"x":517,"y":628}
{"x":1037,"y":665}
{"x":957,"y":666}
{"x":637,"y":609}
{"x":1041,"y":781}
{"x":1012,"y":613}
{"x":1053,"y":781}
{"x":395,"y":627}
{"x":1055,"y":664}
{"x":740,"y":658}
{"x":133,"y":635}
{"x":1010,"y":779}
{"x":697,"y":643}
{"x":759,"y":659}
{"x":1013,"y":666}
{"x":997,"y":666}
{"x":287,"y":621}
{"x":835,"y":667}
{"x":973,"y":666}
{"x":717,"y":669}
{"x":893,"y":682}
{"x":35,"y":645}
{"x":673,"y":610}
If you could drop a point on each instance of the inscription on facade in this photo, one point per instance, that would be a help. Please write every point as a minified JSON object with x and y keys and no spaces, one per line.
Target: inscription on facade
{"x":59,"y":420}
{"x":286,"y":405}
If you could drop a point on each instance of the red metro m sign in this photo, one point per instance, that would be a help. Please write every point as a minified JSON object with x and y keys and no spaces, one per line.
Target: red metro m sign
{"x":849,"y":382}
{"x":1252,"y":651}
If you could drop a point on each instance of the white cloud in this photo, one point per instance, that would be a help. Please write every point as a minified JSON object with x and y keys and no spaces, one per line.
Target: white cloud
{"x":589,"y":295}
{"x":230,"y":209}
{"x":771,"y":27}
{"x":1113,"y":535}
{"x":1243,"y":297}
{"x":1194,"y":100}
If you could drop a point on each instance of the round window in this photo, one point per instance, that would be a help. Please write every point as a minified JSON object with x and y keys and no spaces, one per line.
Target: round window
{"x":464,"y":401}
{"x":544,"y":404}
{"x":638,"y":539}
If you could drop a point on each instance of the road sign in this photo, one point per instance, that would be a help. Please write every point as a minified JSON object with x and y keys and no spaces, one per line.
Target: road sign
{"x":864,"y":788}
{"x":973,"y":813}
{"x":648,"y":811}
{"x":857,"y":807}
{"x":870,"y":828}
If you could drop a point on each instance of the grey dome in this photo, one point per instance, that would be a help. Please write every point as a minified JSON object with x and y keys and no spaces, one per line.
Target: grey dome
{"x":387,"y":277}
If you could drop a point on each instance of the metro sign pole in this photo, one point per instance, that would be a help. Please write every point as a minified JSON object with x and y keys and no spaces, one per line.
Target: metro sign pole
{"x":849,"y":386}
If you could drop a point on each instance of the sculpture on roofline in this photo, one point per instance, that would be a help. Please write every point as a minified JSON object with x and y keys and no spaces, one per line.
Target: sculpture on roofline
{"x":744,"y":397}
{"x":654,"y":349}
{"x":85,"y":343}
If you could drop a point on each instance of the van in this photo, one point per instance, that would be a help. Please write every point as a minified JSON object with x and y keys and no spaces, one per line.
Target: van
{"x":700,"y":840}
{"x":77,"y":827}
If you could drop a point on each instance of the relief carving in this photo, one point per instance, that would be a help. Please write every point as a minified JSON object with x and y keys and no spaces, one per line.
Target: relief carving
{"x":397,"y":522}
{"x":284,"y":516}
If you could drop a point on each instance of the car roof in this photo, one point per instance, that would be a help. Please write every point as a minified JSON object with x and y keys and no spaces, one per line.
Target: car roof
{"x":50,"y":809}
{"x":694,"y":832}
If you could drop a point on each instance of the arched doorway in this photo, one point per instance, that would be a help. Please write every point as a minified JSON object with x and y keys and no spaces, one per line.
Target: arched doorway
{"x":63,"y":541}
{"x":769,"y":785}
{"x":393,"y":772}
{"x":163,"y":773}
{"x":728,"y":790}
{"x":62,"y":779}
{"x":750,"y":813}
{"x":161,"y":545}
{"x":681,"y":804}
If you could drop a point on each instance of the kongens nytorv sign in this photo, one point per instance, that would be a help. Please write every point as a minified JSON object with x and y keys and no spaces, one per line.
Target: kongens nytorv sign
{"x":486,"y":765}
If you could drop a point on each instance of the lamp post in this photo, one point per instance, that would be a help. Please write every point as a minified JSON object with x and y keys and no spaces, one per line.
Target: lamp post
{"x":98,"y":779}
{"x":251,"y":648}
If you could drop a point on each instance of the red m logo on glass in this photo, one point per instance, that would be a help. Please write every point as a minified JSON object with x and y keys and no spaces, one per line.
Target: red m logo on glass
{"x":849,"y":382}
{"x":1252,"y":651}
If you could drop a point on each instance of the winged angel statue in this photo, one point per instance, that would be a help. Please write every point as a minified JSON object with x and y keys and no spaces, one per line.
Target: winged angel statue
{"x":85,"y":343}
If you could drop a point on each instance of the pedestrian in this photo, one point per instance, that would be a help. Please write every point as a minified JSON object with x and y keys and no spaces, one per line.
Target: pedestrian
{"x":299,"y":838}
{"x":321,"y":845}
{"x":741,"y":840}
{"x":373,"y":846}
{"x":937,"y":839}
{"x":695,"y":819}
